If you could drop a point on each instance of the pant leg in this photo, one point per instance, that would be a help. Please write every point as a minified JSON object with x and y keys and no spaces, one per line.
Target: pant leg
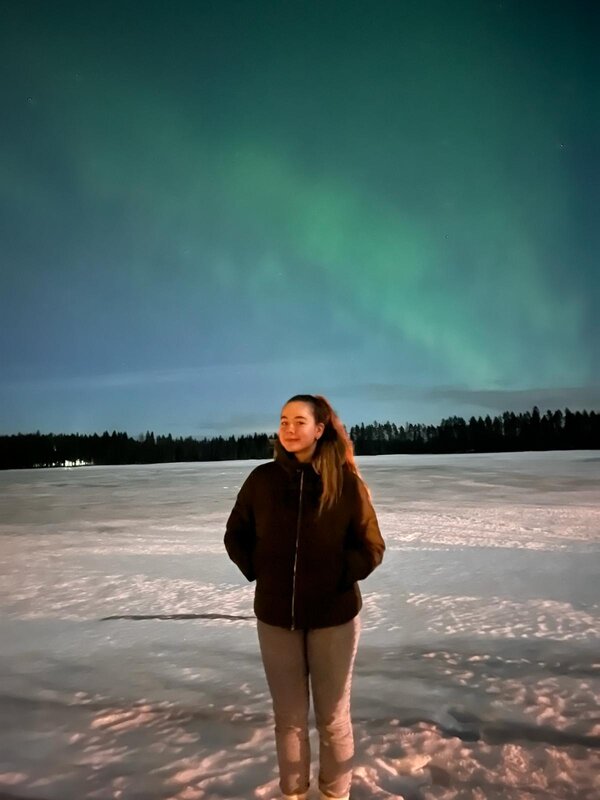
{"x":284,"y":659}
{"x":331,"y":653}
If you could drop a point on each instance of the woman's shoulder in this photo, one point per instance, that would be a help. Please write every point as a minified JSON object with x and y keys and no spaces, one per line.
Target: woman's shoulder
{"x":354,"y":484}
{"x":256,"y":482}
{"x":262,"y":472}
{"x":266,"y":467}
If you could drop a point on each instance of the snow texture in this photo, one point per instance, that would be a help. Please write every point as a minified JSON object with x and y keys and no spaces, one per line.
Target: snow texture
{"x":129,"y":666}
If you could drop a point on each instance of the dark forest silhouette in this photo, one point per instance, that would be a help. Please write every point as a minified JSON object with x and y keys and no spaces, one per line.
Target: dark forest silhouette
{"x":510,"y":432}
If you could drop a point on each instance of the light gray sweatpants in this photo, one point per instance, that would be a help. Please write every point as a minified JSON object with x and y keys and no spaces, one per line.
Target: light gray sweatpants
{"x":326,"y":656}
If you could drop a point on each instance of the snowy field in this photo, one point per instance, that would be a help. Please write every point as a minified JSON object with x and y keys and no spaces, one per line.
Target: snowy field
{"x":129,"y":666}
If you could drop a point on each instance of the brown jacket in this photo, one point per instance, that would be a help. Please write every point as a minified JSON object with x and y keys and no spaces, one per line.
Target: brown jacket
{"x":305,"y":565}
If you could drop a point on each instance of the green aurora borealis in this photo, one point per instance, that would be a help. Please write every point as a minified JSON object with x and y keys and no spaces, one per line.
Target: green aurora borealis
{"x":206,"y":207}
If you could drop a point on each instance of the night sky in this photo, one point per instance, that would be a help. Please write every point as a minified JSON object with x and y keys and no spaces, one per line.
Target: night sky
{"x":206,"y":207}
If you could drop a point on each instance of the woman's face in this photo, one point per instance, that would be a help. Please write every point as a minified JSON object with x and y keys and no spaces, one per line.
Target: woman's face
{"x":298,"y":431}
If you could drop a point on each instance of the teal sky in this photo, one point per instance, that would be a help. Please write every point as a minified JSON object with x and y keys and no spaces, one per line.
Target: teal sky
{"x":206,"y":207}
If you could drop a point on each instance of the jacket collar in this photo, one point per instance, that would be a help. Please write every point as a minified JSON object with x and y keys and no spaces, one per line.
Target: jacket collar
{"x":290,"y":463}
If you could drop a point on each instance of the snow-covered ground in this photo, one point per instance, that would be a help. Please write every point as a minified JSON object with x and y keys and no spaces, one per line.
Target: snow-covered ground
{"x":478,"y":674}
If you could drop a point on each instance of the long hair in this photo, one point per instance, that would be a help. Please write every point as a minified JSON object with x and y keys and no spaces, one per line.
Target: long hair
{"x":334,"y":449}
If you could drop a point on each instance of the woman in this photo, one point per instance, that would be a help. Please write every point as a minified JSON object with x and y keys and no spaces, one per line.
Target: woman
{"x":304,"y":528}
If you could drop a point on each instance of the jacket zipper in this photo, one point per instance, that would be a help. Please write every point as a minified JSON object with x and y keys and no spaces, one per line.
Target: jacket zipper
{"x":296,"y":553}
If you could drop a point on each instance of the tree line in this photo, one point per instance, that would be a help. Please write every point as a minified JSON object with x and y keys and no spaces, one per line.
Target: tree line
{"x":509,"y":432}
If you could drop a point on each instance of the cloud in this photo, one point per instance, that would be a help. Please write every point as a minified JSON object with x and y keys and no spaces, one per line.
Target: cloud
{"x":155,"y":377}
{"x":574,"y":397}
{"x":466,"y":400}
{"x":239,"y":423}
{"x":379,"y":392}
{"x":108,"y":380}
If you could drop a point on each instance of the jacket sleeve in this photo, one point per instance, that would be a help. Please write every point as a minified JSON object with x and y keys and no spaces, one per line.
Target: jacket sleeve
{"x":364,"y":545}
{"x":240,"y":534}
